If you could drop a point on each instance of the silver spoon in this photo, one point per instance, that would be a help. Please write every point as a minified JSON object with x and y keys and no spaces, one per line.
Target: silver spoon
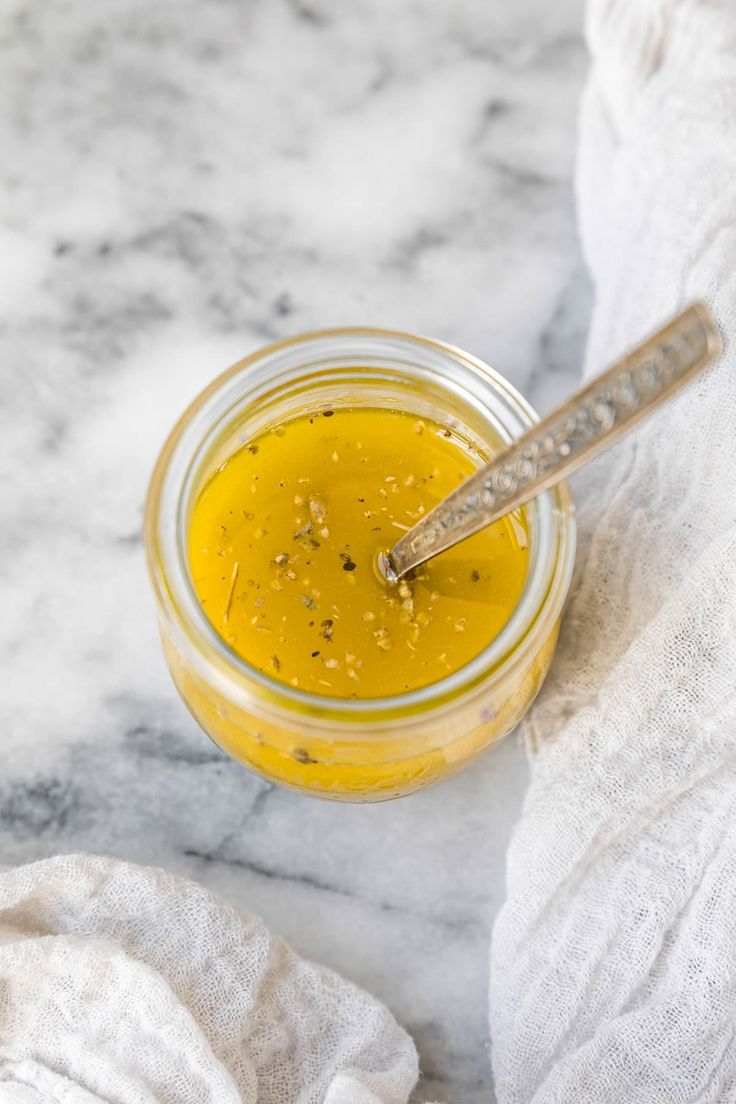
{"x":594,"y":418}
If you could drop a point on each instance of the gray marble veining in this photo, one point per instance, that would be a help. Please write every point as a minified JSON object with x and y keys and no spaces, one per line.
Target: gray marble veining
{"x":181,"y":182}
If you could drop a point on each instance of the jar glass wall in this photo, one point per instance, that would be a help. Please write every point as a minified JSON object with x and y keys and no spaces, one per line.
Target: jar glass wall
{"x":347,"y":749}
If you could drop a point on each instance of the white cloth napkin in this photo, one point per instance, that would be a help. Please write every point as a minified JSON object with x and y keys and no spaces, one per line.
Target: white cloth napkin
{"x":131,"y":986}
{"x":613,"y":975}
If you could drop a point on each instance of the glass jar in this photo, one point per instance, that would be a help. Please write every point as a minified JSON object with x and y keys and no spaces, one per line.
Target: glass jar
{"x":346,"y":749}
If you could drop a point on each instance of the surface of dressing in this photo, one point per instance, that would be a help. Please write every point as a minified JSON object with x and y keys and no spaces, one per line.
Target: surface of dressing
{"x":284,"y":538}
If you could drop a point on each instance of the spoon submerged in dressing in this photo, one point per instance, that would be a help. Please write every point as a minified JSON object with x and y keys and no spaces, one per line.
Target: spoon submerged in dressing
{"x":586,"y":424}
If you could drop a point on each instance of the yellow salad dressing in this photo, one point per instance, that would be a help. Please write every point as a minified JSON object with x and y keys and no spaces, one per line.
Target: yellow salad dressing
{"x":283,"y":543}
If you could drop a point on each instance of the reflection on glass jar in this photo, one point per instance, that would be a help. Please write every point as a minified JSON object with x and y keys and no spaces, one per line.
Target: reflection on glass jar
{"x":354,"y":747}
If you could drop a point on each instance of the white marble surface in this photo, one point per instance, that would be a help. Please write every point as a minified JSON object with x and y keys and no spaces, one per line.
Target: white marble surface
{"x":179,"y":183}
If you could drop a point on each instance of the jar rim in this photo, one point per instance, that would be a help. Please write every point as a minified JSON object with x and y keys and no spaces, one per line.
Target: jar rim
{"x":531,"y":620}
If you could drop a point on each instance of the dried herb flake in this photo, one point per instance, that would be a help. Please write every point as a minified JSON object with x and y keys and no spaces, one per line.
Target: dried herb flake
{"x":302,"y":756}
{"x":327,"y":626}
{"x":304,"y":531}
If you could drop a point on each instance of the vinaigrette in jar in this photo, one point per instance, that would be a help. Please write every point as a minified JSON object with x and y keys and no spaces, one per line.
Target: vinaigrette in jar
{"x":267,"y":511}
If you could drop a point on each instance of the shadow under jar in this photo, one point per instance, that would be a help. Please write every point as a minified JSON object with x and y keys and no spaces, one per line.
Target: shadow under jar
{"x":352,"y":749}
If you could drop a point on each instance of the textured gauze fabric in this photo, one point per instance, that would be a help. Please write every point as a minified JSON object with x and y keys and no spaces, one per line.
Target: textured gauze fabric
{"x":613,"y":966}
{"x":128,"y":985}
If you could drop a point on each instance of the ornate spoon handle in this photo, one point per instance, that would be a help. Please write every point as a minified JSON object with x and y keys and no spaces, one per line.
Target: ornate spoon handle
{"x":594,"y":418}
